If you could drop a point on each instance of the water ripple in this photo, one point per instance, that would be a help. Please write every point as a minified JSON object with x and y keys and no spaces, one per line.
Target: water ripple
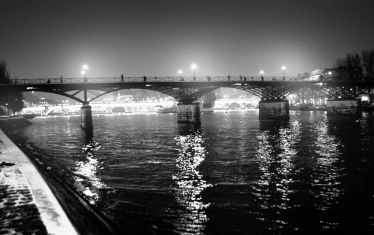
{"x":190,"y":184}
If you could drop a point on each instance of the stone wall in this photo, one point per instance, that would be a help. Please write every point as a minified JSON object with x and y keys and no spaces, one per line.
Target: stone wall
{"x":188,"y":113}
{"x":11,"y":123}
{"x":349,"y":107}
{"x":273,"y":109}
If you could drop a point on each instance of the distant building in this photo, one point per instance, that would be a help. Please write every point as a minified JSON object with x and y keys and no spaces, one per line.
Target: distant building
{"x":319,"y":74}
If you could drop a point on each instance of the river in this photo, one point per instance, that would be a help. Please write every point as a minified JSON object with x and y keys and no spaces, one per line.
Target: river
{"x":232,"y":174}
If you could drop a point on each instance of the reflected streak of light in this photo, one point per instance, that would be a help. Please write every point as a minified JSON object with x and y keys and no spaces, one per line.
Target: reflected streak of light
{"x":86,"y":179}
{"x":190,"y":184}
{"x":326,"y":177}
{"x":274,"y":155}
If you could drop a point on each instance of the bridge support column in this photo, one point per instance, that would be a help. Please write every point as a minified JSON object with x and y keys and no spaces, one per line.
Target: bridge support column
{"x":86,"y":117}
{"x":273,"y":109}
{"x":188,"y":113}
{"x":343,"y":106}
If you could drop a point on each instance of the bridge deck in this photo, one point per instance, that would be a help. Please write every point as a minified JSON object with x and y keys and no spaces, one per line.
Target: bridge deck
{"x":89,"y":83}
{"x":184,"y":89}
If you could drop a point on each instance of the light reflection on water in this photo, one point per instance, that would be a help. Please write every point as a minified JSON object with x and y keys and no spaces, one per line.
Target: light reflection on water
{"x":85,"y":172}
{"x":234,"y":174}
{"x":275,"y":153}
{"x":190,"y":183}
{"x":326,"y":179}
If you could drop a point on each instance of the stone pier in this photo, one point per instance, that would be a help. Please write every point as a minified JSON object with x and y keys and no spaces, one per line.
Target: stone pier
{"x":273,"y":109}
{"x":86,"y":117}
{"x":343,"y":106}
{"x":188,"y":113}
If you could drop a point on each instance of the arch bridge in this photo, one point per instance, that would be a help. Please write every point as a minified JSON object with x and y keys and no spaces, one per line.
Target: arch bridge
{"x":187,"y":90}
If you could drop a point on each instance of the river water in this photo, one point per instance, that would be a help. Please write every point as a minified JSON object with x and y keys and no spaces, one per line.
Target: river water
{"x":233,"y":174}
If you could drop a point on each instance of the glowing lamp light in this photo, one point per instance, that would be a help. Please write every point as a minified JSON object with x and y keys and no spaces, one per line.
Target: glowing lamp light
{"x":365,"y":98}
{"x":262,"y":72}
{"x":283,"y":69}
{"x":180,"y":72}
{"x":193,"y":68}
{"x":84,"y":71}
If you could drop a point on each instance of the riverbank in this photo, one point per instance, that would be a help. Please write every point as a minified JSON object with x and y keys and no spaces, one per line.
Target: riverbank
{"x":28,"y":206}
{"x":69,"y":209}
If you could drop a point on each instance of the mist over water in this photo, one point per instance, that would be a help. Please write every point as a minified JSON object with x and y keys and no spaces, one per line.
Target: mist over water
{"x":232,"y":174}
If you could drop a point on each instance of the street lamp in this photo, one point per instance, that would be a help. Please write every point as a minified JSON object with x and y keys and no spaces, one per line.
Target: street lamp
{"x":6,"y":105}
{"x":193,"y":68}
{"x":84,"y":72}
{"x":283,"y":69}
{"x":180,"y":72}
{"x":262,"y":74}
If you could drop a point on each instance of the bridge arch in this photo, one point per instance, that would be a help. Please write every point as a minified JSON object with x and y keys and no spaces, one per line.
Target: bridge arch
{"x":74,"y":93}
{"x":204,"y":91}
{"x":57,"y":93}
{"x":145,"y":88}
{"x":330,"y":91}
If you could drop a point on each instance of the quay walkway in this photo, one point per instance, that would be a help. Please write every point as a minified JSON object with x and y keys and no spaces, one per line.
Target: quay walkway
{"x":27,"y":204}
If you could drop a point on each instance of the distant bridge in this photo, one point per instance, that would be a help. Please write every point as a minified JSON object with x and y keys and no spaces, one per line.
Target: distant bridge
{"x":187,"y":90}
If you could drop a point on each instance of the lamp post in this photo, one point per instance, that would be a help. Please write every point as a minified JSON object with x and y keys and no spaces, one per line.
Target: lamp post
{"x":7,"y":108}
{"x":193,"y":68}
{"x":180,"y":72}
{"x":84,"y":72}
{"x":262,"y":74}
{"x":283,"y":70}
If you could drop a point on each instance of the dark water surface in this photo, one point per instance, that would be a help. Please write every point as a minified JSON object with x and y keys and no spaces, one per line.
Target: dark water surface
{"x":234,"y":174}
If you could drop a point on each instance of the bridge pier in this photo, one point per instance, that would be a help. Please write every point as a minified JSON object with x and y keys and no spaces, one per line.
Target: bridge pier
{"x":273,"y":109}
{"x":86,"y":117}
{"x":343,"y":106}
{"x":188,"y":112}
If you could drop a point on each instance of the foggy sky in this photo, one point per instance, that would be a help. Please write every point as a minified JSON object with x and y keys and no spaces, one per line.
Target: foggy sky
{"x":53,"y":38}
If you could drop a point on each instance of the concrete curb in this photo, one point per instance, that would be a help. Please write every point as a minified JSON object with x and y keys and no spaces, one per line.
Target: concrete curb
{"x":52,"y":215}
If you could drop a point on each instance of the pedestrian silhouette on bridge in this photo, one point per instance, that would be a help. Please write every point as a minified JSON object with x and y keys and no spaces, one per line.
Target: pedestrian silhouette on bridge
{"x":228,"y":78}
{"x":144,"y":78}
{"x":48,"y":81}
{"x":121,"y":77}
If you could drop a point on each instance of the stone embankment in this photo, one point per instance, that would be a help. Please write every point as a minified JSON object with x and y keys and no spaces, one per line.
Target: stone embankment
{"x":27,"y":204}
{"x":35,"y":201}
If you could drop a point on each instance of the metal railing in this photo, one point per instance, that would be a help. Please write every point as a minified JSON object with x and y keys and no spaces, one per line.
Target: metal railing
{"x":31,"y":81}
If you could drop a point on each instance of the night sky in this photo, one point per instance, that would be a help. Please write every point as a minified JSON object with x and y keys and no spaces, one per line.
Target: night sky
{"x":135,"y":38}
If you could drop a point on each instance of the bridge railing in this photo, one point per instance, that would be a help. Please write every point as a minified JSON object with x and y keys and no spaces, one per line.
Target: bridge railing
{"x":147,"y":79}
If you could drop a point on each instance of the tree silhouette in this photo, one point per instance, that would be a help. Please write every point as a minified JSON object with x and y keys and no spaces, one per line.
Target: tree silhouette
{"x":367,"y":57}
{"x":357,"y":68}
{"x":9,"y":98}
{"x":350,"y":67}
{"x":208,"y":100}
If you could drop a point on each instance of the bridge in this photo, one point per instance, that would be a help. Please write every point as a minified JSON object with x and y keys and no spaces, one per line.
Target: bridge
{"x":273,"y":91}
